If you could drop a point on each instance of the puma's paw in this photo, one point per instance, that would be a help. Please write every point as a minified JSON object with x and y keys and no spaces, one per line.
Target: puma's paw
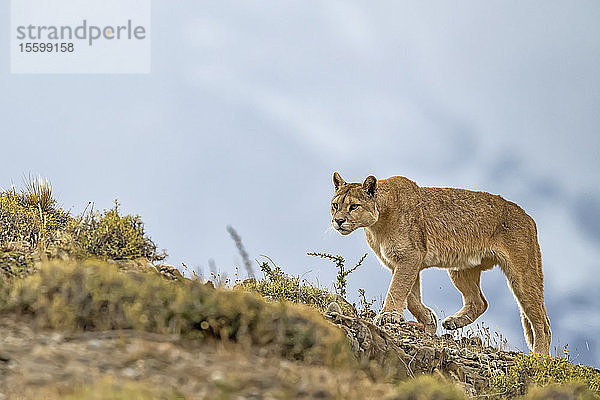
{"x":456,"y":321}
{"x":388,"y":317}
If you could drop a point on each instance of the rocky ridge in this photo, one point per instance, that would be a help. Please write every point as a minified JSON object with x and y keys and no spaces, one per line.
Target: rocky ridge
{"x":467,"y":362}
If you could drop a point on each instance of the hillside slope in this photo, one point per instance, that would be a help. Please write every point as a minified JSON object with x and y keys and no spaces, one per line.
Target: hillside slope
{"x":88,"y":312}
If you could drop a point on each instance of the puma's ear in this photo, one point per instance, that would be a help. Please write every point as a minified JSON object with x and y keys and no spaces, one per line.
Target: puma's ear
{"x":370,"y":185}
{"x":338,"y":181}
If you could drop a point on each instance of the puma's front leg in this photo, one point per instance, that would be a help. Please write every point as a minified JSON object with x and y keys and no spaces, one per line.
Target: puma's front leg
{"x":421,"y":312}
{"x":403,"y":279}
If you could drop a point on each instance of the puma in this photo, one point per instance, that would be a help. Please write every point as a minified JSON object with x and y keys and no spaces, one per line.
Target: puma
{"x":411,"y":228}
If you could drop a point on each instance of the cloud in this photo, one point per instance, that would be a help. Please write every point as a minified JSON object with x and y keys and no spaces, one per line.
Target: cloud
{"x":586,"y":209}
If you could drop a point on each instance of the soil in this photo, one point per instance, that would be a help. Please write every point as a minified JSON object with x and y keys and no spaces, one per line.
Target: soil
{"x":38,"y":363}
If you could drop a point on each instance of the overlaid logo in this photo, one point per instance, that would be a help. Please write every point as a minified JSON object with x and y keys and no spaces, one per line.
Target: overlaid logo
{"x":80,"y":36}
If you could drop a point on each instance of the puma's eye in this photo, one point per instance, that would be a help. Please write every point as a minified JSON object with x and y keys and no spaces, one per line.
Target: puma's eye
{"x":335,"y":206}
{"x":353,"y":207}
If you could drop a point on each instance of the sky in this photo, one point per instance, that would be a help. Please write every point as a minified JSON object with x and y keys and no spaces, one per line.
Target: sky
{"x":251,"y":106}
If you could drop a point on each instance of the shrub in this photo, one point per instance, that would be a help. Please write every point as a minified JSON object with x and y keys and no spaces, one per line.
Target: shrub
{"x":115,"y":237}
{"x":426,"y":387}
{"x":279,"y":286}
{"x":38,"y":193}
{"x":342,"y":274}
{"x":95,"y":296}
{"x":15,"y":264}
{"x":537,"y":370}
{"x":31,"y":220}
{"x":562,"y":392}
{"x":24,"y":219}
{"x":365,"y":310}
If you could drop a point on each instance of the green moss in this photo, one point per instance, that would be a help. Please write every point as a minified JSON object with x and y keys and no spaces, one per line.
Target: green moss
{"x":426,"y":387}
{"x":95,"y":296}
{"x":536,"y":370}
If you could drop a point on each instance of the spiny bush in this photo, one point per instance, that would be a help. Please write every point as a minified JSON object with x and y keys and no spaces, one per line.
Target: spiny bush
{"x":279,"y":286}
{"x":114,"y":236}
{"x":23,"y":218}
{"x":342,"y":274}
{"x":536,"y":370}
{"x":96,"y":296}
{"x":38,"y":193}
{"x":365,"y":310}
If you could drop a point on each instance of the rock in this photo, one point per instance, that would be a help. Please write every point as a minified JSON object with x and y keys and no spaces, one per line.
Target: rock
{"x":169,"y":271}
{"x":465,"y":361}
{"x":334,"y":307}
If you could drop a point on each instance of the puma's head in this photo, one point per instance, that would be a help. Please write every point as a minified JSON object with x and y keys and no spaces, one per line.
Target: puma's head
{"x":353,"y":205}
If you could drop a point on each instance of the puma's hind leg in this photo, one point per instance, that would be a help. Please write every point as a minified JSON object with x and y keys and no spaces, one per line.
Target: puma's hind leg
{"x":467,"y":281}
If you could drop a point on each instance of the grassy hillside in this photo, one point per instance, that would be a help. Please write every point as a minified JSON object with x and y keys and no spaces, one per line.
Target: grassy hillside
{"x":87,"y":311}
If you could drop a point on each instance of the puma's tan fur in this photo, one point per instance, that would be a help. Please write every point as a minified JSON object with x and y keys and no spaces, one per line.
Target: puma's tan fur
{"x":411,"y":228}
